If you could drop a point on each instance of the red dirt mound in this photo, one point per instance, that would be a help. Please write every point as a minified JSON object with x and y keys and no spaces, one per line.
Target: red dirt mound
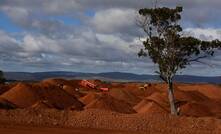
{"x":6,"y":87}
{"x":132,"y":86}
{"x":42,"y":105}
{"x":5,"y":104}
{"x":22,"y":95}
{"x":180,"y":93}
{"x":163,"y":87}
{"x":25,"y":95}
{"x":69,"y":86}
{"x":211,"y":91}
{"x":144,"y":92}
{"x":61,"y":82}
{"x":159,"y":98}
{"x":117,"y":85}
{"x":147,"y":106}
{"x":202,"y":108}
{"x":107,"y":102}
{"x":195,"y":109}
{"x":59,"y":98}
{"x":190,"y":96}
{"x":125,"y":95}
{"x":214,"y":106}
{"x":89,"y":98}
{"x":190,"y":102}
{"x":73,"y":91}
{"x":56,"y":81}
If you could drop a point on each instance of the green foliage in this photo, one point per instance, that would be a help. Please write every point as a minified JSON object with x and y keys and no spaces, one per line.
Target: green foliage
{"x":164,"y":14}
{"x":165,"y":44}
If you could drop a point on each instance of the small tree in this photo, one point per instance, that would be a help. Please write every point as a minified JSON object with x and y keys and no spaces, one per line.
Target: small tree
{"x":166,"y":46}
{"x":2,"y":79}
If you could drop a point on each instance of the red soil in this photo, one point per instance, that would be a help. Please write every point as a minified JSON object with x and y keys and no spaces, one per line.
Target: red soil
{"x":147,"y":106}
{"x":125,"y":95}
{"x":25,"y":95}
{"x":211,"y":91}
{"x":106,"y":120}
{"x":56,"y":81}
{"x":42,"y":105}
{"x":6,"y":87}
{"x":70,"y":86}
{"x":117,"y":85}
{"x":107,"y":102}
{"x":56,"y":130}
{"x":159,"y":98}
{"x":22,"y":95}
{"x":73,"y":91}
{"x":147,"y":92}
{"x":125,"y":107}
{"x":5,"y":104}
{"x":61,"y":83}
{"x":194,"y":96}
{"x":196,"y":109}
{"x":89,"y":98}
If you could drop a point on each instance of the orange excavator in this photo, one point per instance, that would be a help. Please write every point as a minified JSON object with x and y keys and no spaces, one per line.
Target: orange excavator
{"x":88,"y":84}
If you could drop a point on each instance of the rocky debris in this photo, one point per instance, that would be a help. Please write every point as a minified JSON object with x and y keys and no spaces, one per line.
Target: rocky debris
{"x":99,"y":119}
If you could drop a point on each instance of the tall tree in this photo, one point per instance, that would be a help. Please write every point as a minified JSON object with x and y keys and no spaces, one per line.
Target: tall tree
{"x":168,"y":48}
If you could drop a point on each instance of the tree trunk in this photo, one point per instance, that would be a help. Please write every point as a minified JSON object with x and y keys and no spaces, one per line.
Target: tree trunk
{"x":173,"y":108}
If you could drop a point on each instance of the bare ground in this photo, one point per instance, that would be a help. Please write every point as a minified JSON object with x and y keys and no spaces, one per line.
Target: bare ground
{"x":45,"y":107}
{"x":47,"y":130}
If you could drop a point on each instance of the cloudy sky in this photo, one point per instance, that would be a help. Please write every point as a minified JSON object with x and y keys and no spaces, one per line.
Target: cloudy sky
{"x":93,"y":35}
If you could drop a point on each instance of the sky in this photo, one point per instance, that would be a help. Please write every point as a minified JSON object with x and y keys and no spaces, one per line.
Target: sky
{"x":94,"y":35}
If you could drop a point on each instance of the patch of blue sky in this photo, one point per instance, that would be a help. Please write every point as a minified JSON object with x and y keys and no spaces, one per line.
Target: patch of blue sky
{"x":208,"y":24}
{"x":215,"y":24}
{"x":186,"y":24}
{"x":7,"y":25}
{"x":90,"y":13}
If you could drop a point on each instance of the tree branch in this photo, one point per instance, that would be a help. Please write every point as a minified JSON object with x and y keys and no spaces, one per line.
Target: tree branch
{"x":198,"y":60}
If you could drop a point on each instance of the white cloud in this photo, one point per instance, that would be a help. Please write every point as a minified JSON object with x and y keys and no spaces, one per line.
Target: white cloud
{"x":87,"y":51}
{"x":6,"y":39}
{"x":113,"y":20}
{"x":204,"y":33}
{"x":17,"y":14}
{"x":40,"y":44}
{"x":116,"y":42}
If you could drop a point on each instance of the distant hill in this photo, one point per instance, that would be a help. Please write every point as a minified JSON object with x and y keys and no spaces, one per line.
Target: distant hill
{"x":109,"y":76}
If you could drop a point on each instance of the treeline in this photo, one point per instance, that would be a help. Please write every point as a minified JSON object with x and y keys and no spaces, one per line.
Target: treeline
{"x":2,"y":78}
